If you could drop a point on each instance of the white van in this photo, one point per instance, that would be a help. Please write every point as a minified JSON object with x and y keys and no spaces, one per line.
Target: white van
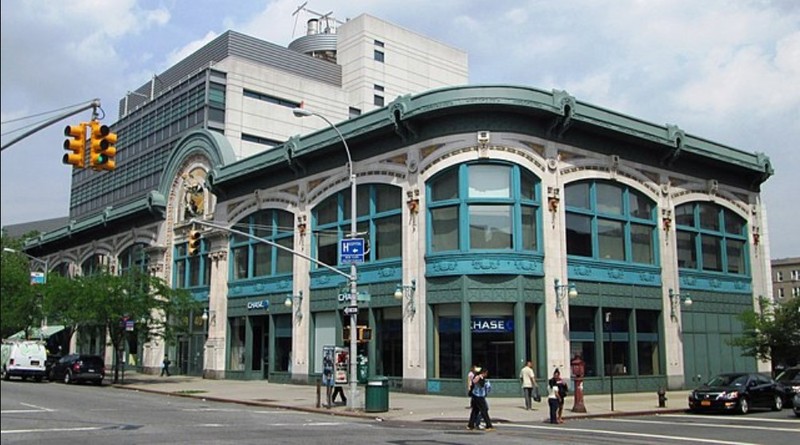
{"x":23,"y":358}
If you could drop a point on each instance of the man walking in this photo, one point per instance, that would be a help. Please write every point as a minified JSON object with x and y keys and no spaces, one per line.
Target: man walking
{"x":481,"y":387}
{"x":528,"y":380}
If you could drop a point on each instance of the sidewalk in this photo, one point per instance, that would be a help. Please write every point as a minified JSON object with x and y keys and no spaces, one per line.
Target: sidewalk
{"x":403,"y":407}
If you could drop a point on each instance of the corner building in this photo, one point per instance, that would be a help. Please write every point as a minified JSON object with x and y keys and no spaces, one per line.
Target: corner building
{"x":485,"y":205}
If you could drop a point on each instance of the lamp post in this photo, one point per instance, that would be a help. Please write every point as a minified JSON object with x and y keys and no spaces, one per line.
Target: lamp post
{"x":302,"y":112}
{"x":611,"y":354}
{"x":45,"y":264}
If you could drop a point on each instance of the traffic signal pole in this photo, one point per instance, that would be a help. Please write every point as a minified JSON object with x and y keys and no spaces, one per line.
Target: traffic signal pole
{"x":95,"y":104}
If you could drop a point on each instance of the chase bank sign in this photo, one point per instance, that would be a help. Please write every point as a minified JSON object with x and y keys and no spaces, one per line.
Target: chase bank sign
{"x":498,"y":324}
{"x":258,"y":305}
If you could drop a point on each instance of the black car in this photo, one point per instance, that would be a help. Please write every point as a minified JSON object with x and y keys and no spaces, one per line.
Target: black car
{"x":789,"y":383}
{"x":75,"y":368}
{"x":796,"y":404}
{"x":738,"y":392}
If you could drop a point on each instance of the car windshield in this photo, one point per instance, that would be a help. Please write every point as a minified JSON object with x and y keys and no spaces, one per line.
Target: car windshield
{"x":729,"y":380}
{"x":788,"y":375}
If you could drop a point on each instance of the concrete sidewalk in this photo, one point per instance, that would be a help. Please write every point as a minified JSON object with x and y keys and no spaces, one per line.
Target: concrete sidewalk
{"x":402,"y":406}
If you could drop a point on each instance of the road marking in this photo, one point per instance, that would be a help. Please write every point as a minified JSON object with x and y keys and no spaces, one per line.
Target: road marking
{"x":713,"y":425}
{"x":750,"y":419}
{"x":627,"y":434}
{"x":36,"y":409}
{"x":52,"y":430}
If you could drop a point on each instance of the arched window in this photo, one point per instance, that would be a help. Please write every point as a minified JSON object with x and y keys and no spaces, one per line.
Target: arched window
{"x":96,"y":263}
{"x":710,"y":238}
{"x":133,"y":258}
{"x":252,"y":258}
{"x":192,"y":270}
{"x":483,"y":206}
{"x":610,"y":221}
{"x":378,"y":218}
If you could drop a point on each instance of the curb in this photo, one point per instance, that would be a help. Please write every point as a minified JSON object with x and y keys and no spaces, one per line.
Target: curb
{"x":371,"y":416}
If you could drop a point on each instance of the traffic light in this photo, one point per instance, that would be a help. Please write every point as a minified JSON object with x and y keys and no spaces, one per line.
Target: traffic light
{"x":102,"y":142}
{"x":76,"y":143}
{"x":194,"y":242}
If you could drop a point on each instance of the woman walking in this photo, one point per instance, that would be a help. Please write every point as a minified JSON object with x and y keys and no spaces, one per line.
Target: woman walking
{"x":554,"y":396}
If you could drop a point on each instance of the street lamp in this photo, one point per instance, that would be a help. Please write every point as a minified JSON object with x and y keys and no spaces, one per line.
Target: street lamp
{"x":675,"y":300}
{"x":302,"y":112}
{"x":561,"y":290}
{"x":46,"y":266}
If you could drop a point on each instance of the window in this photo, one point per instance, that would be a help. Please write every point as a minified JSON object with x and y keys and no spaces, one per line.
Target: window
{"x":379,"y":215}
{"x":378,"y":43}
{"x":271,"y":99}
{"x":378,"y":56}
{"x":354,"y":112}
{"x":711,"y":238}
{"x":795,"y":275}
{"x":194,"y":270}
{"x":609,"y":221}
{"x":377,"y":87}
{"x":779,"y":276}
{"x":378,"y":100}
{"x":97,"y":263}
{"x":484,"y":206}
{"x":253,"y":258}
{"x":781,"y":293}
{"x":796,"y":291}
{"x":133,"y":258}
{"x":260,"y":140}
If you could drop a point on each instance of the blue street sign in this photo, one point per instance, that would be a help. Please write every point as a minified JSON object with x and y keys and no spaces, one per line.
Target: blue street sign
{"x":351,"y":250}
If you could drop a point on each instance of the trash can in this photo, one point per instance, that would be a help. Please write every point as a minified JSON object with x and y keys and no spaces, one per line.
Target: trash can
{"x":377,"y":395}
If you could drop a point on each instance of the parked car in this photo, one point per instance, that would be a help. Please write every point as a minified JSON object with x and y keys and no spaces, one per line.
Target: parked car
{"x":789,"y":383}
{"x":75,"y":368}
{"x":23,"y":358}
{"x":738,"y":392}
{"x":796,"y":404}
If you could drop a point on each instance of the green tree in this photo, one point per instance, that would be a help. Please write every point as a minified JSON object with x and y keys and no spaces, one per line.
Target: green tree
{"x":773,"y":334}
{"x":105,"y":302}
{"x":20,"y":304}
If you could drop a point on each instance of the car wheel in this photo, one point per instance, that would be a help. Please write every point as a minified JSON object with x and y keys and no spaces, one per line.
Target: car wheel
{"x":777,"y":404}
{"x":744,"y":405}
{"x":6,"y":376}
{"x":68,"y":377}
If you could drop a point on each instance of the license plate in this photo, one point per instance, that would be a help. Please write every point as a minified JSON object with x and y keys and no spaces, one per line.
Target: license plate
{"x":91,"y":370}
{"x":705,"y":403}
{"x":34,"y":362}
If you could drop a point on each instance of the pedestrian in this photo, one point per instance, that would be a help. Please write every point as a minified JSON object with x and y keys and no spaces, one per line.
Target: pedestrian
{"x":563,"y":389}
{"x":481,"y":387}
{"x":165,"y":366}
{"x":338,"y":391}
{"x":475,"y":370}
{"x":528,"y":380}
{"x":553,"y":396}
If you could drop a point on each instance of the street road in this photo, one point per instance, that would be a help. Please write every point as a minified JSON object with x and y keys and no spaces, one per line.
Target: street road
{"x":85,"y":414}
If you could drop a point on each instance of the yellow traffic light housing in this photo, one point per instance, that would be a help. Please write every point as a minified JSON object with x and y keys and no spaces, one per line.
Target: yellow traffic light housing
{"x":102,"y":142}
{"x":194,"y":242}
{"x":76,"y":143}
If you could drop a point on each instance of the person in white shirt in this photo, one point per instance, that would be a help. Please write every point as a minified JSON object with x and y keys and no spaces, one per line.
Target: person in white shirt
{"x":528,"y":380}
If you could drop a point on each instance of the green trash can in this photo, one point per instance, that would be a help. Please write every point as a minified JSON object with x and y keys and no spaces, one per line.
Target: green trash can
{"x":377,"y":395}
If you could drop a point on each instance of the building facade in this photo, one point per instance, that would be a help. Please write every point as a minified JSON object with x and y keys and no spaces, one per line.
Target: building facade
{"x":785,"y":279}
{"x":485,"y":209}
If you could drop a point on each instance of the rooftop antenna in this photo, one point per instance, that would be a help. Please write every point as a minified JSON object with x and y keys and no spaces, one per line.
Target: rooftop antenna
{"x":322,"y":17}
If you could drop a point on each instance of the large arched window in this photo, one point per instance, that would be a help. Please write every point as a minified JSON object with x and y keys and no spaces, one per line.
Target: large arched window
{"x":253,"y":258}
{"x":378,"y":217}
{"x":96,"y":263}
{"x":483,"y":206}
{"x":192,"y":270}
{"x":710,"y":238}
{"x":610,"y":221}
{"x":133,"y":258}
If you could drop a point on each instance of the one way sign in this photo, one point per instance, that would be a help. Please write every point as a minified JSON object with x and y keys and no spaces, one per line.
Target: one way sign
{"x":351,"y":250}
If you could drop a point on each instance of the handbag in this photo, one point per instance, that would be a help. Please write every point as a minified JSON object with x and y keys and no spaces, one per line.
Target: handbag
{"x":536,"y":396}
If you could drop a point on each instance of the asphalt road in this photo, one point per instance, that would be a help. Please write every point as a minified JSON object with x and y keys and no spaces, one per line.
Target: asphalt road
{"x":54,"y":412}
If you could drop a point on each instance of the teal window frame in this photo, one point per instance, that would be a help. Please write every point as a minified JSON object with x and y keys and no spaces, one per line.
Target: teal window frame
{"x":185,"y":267}
{"x":133,"y":257}
{"x":697,"y":232}
{"x":596,"y":215}
{"x":272,"y":231}
{"x":367,"y":219}
{"x":462,"y":202}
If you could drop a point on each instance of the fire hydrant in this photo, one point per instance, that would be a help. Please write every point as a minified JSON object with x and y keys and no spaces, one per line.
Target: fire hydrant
{"x":662,"y":397}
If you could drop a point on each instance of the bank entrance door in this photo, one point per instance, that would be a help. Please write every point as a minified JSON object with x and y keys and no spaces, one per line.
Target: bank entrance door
{"x":260,"y":349}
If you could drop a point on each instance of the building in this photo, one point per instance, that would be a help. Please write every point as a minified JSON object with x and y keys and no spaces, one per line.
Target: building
{"x":484,"y":208}
{"x":785,"y":279}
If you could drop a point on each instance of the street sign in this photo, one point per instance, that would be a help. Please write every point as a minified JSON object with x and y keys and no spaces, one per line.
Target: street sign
{"x":351,"y":310}
{"x":37,"y":278}
{"x":351,"y":250}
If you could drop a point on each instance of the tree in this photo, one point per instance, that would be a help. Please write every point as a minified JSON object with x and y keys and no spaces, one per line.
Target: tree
{"x":20,"y":304}
{"x":773,"y":334}
{"x":115,"y":303}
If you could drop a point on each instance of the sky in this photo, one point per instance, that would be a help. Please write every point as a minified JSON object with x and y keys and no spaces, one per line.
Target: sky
{"x":723,"y":70}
